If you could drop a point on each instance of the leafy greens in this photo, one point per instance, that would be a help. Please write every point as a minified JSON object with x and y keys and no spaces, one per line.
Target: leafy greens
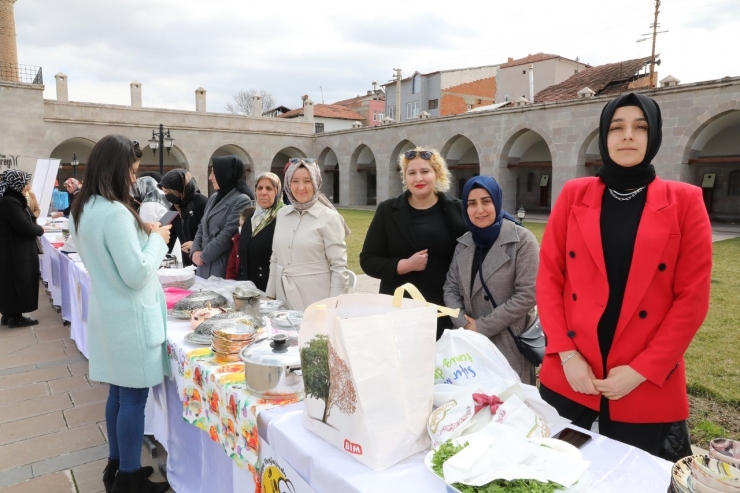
{"x":448,"y":449}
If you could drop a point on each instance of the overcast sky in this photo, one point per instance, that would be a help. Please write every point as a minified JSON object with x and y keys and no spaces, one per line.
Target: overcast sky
{"x":291,"y":48}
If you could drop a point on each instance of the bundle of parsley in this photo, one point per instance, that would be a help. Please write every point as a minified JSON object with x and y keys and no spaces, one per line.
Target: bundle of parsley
{"x":448,"y":449}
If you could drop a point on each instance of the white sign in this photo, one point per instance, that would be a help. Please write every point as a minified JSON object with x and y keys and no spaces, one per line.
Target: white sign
{"x":43,"y":184}
{"x":276,"y":475}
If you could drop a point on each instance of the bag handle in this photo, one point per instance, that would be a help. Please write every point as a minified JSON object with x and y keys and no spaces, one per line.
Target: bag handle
{"x":416,"y":295}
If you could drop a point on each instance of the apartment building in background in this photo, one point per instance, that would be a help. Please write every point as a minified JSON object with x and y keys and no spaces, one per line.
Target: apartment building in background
{"x":442,"y":93}
{"x":513,"y":80}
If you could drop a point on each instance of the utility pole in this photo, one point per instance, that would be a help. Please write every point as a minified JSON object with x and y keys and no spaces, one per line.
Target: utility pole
{"x":398,"y":95}
{"x":655,"y":36}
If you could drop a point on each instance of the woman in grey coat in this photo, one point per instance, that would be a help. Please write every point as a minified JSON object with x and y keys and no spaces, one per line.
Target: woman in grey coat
{"x":506,"y":257}
{"x":212,"y":244}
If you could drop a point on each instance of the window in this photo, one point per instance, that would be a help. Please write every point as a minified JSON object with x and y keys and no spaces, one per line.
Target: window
{"x":733,"y":184}
{"x":375,"y":116}
{"x":381,"y":117}
{"x":480,"y":101}
{"x":470,"y":106}
{"x":530,"y":182}
{"x":391,"y":112}
{"x":524,"y":72}
{"x":416,"y":84}
{"x":319,"y":128}
{"x":412,"y":110}
{"x":433,"y":104}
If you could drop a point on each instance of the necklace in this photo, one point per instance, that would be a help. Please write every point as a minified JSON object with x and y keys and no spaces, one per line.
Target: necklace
{"x":626,"y":196}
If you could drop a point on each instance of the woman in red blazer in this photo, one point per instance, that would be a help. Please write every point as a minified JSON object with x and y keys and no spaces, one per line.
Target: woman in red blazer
{"x":623,"y":286}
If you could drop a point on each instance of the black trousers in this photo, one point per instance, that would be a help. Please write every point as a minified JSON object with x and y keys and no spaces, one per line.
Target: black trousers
{"x":669,"y":441}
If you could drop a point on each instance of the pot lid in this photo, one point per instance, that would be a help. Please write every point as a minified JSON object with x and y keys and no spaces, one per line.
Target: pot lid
{"x":245,"y":293}
{"x":201,"y":299}
{"x":228,"y":318}
{"x":279,"y":350}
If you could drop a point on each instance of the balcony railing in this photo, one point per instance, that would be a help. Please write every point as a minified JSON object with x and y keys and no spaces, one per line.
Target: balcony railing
{"x":28,"y":74}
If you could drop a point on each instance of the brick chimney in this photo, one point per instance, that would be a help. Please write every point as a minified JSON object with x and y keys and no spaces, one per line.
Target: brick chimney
{"x":8,"y":47}
{"x":62,"y":93}
{"x":135,"y":94}
{"x":200,"y":100}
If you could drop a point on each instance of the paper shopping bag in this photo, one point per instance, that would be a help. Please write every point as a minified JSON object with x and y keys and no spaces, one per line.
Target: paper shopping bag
{"x":368,"y":370}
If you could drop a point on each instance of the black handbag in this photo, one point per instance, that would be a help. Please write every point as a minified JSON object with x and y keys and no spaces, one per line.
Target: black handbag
{"x":532,"y":342}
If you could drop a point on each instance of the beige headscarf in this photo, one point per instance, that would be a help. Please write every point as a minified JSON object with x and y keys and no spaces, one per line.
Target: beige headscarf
{"x":316,"y":179}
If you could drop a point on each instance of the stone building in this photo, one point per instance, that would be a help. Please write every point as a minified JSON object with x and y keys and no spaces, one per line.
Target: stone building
{"x":531,"y":149}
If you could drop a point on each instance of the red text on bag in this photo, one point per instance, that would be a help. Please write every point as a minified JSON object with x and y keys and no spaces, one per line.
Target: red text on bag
{"x":352,"y":448}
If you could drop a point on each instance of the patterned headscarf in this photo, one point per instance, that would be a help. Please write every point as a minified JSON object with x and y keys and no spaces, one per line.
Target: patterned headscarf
{"x":146,"y":190}
{"x":263,"y":217}
{"x":76,"y":185}
{"x":14,"y":179}
{"x":315,"y":173}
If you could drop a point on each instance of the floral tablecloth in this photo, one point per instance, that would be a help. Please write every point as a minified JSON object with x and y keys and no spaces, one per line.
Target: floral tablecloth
{"x":216,"y":400}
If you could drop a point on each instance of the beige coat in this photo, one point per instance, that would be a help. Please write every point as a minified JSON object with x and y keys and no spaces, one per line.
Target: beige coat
{"x":309,"y":256}
{"x":510,"y":272}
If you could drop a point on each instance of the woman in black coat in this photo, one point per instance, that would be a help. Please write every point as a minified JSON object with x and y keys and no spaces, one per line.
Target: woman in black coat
{"x":255,"y":242}
{"x":412,"y":237}
{"x":182,"y":192}
{"x":19,"y":255}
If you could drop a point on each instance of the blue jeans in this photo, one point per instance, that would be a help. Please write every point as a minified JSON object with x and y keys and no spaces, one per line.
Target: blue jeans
{"x":124,"y":418}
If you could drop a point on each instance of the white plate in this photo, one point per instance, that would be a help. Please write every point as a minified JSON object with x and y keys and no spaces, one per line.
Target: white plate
{"x":179,"y":314}
{"x":193,"y":338}
{"x":583,"y":482}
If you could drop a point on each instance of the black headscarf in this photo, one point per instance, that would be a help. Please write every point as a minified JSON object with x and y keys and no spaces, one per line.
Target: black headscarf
{"x":620,"y":178}
{"x":181,"y":180}
{"x":229,"y":172}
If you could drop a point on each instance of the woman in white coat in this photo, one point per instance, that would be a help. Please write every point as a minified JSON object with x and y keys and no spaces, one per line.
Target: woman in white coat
{"x":309,"y":254}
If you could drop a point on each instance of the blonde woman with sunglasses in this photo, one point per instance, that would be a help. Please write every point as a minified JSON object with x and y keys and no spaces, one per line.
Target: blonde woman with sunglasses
{"x":412,"y":237}
{"x":309,"y":254}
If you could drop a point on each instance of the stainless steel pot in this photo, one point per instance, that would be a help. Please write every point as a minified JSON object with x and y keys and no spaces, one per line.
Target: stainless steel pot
{"x":272,"y":368}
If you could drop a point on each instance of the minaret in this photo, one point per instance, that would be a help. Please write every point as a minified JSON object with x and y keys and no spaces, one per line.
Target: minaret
{"x":8,"y":48}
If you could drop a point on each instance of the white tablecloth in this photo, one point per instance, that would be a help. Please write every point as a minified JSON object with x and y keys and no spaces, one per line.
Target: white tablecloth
{"x":69,"y":285}
{"x":615,"y":467}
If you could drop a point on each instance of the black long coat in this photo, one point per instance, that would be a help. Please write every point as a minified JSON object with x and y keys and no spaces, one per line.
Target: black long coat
{"x":390,"y":238}
{"x":254,"y":254}
{"x":186,"y":224}
{"x":19,"y":256}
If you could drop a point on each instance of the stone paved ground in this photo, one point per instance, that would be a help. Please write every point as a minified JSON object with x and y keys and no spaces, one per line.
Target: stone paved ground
{"x":52,"y":417}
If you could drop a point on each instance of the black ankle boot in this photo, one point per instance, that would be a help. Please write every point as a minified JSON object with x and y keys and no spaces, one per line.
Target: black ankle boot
{"x":109,"y":474}
{"x":137,"y":482}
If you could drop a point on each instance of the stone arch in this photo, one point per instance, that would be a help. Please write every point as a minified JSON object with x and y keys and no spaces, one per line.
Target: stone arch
{"x":527,"y":149}
{"x":714,"y":148}
{"x":281,"y":158}
{"x":395,"y":181}
{"x":175,"y":159}
{"x":463,"y":161}
{"x":234,"y":149}
{"x":329,"y":165}
{"x":589,"y":157}
{"x":363,"y":175}
{"x":66,"y":150}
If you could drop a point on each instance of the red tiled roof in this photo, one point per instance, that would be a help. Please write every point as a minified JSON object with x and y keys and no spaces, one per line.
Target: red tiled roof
{"x":611,"y":78}
{"x":537,"y":57}
{"x":327,"y":111}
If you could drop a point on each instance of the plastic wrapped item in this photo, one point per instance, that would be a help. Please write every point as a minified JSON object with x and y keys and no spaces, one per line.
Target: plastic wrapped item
{"x":177,"y":278}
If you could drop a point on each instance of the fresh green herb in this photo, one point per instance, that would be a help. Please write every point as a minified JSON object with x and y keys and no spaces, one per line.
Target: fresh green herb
{"x":448,"y":449}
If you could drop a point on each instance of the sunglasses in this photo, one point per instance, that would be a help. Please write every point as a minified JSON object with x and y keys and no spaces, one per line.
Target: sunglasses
{"x":295,"y":160}
{"x":425,"y":155}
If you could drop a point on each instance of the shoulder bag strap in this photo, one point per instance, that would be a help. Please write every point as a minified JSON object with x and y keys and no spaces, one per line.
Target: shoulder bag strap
{"x":488,"y":292}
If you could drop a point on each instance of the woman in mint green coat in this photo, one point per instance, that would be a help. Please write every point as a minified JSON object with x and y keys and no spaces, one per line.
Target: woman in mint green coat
{"x":126,"y":311}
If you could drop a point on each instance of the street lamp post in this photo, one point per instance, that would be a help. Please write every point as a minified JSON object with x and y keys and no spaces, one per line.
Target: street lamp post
{"x":74,"y":164}
{"x":161,"y":140}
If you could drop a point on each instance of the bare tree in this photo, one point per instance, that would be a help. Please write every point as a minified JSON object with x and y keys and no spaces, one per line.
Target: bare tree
{"x":242,"y":104}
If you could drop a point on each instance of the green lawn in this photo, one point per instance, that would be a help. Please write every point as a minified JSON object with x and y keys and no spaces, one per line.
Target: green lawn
{"x":712,"y":361}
